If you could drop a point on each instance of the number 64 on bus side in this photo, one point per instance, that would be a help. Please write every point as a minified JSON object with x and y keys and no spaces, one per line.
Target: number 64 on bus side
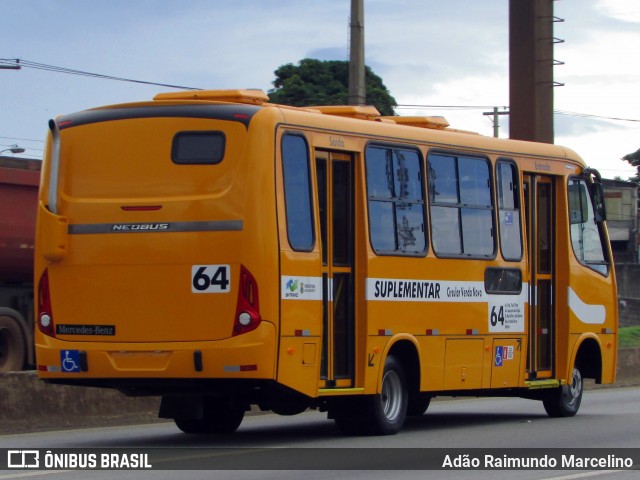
{"x":506,"y":315}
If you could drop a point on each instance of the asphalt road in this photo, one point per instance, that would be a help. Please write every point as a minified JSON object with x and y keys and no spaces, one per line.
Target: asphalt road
{"x":608,"y":419}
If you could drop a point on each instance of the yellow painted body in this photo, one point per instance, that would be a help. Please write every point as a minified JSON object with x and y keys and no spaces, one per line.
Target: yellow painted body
{"x":140,"y":283}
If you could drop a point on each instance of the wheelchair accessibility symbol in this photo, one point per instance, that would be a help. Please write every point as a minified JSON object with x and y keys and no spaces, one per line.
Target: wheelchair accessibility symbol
{"x":498,"y":360}
{"x":70,"y":360}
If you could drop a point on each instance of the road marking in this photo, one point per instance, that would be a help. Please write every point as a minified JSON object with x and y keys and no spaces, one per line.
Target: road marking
{"x":585,"y":474}
{"x":33,"y":474}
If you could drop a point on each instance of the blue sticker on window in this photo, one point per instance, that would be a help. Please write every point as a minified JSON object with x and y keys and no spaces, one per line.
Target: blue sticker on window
{"x":70,"y":360}
{"x":508,"y":218}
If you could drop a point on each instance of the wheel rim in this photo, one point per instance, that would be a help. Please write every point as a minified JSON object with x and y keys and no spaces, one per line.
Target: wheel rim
{"x":391,"y":395}
{"x":573,"y":393}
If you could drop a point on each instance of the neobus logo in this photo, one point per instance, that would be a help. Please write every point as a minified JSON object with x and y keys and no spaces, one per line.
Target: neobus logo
{"x":139,"y":227}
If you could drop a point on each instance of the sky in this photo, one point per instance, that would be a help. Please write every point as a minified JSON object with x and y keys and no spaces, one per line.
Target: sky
{"x":430,"y":53}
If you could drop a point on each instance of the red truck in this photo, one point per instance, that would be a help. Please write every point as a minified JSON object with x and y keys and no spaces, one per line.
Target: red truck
{"x":19,"y":180}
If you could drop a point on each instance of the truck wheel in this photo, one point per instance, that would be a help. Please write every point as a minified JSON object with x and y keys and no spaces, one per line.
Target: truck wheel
{"x":565,"y":401}
{"x":12,"y":345}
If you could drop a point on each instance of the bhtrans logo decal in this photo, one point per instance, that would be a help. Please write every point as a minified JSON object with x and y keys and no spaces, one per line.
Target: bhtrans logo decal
{"x":300,"y":288}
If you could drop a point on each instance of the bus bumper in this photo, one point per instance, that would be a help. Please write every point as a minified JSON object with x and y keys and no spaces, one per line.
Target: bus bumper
{"x":248,"y":356}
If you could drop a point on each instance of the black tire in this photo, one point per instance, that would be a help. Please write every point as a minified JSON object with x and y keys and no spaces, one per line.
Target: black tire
{"x":217,"y":419}
{"x":566,"y":400}
{"x":12,"y":345}
{"x":388,"y":410}
{"x":418,"y":405}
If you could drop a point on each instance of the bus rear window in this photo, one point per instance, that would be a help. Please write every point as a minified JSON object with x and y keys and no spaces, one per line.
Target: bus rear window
{"x":197,"y":148}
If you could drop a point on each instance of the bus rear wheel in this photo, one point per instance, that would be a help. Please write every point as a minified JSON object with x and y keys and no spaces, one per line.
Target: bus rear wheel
{"x":418,"y":405}
{"x":380,"y":414}
{"x":565,"y":401}
{"x":217,"y":419}
{"x":387,"y":410}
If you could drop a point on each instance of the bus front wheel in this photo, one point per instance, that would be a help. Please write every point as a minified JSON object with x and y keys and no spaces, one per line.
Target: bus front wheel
{"x":565,"y":401}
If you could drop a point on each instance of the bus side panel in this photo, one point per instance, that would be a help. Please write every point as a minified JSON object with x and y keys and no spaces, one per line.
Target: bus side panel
{"x":300,"y":350}
{"x":438,"y":312}
{"x":592,"y":313}
{"x":431,"y":378}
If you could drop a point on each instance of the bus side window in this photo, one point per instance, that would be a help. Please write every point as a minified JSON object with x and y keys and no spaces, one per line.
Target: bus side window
{"x":509,"y":211}
{"x":461,"y":205}
{"x":297,"y":191}
{"x":585,"y":231}
{"x":396,"y":200}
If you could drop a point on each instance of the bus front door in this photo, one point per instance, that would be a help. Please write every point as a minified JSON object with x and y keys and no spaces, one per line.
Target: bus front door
{"x":540,"y":207}
{"x":335,"y":179}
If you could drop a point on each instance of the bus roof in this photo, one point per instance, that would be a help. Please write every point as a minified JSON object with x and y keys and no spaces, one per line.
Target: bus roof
{"x":332,"y":117}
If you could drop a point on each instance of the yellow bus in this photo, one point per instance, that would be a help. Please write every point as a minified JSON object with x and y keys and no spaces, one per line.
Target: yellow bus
{"x":223,"y":252}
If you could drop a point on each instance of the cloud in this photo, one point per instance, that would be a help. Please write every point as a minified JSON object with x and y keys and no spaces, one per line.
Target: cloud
{"x":567,"y":125}
{"x":426,"y":51}
{"x":327,"y":53}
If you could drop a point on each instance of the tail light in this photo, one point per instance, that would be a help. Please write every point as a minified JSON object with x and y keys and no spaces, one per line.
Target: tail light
{"x":45,"y":313}
{"x":247,"y":310}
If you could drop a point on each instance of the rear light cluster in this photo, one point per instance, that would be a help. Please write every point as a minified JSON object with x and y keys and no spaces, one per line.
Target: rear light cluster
{"x":247,"y":310}
{"x":45,"y":313}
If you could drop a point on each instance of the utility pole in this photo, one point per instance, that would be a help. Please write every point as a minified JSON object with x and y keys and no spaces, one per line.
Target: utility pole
{"x":531,"y":63}
{"x":357,"y":86}
{"x":496,"y":121}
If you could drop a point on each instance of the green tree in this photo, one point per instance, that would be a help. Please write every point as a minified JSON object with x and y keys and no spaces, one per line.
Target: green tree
{"x":634,"y":159}
{"x":317,"y":82}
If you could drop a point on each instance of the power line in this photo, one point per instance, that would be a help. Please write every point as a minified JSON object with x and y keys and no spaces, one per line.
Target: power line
{"x":18,"y":62}
{"x":589,"y":115}
{"x":483,"y":107}
{"x":23,"y":139}
{"x":52,"y":68}
{"x":450,"y":107}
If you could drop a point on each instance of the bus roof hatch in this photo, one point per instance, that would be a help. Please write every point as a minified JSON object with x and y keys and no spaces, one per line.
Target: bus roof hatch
{"x":436,"y":123}
{"x":253,"y":97}
{"x":363,"y":112}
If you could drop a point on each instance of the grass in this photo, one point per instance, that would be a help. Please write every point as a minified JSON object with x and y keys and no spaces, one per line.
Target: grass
{"x":629,"y":337}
